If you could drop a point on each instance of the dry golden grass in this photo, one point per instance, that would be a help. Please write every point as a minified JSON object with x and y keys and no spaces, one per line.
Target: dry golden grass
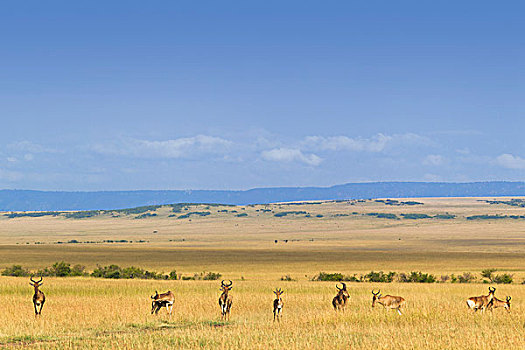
{"x":95,"y":313}
{"x":88,"y":313}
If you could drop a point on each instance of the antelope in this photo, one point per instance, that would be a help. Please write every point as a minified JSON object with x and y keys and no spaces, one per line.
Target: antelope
{"x":481,"y":302}
{"x":38,"y":298}
{"x":162,"y":300}
{"x":500,"y":303}
{"x":388,"y":301}
{"x":278,"y":305}
{"x":339,"y":301}
{"x":225,"y":300}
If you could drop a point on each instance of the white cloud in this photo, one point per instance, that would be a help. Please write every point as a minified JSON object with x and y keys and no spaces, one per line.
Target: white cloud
{"x":510,"y":161}
{"x":29,"y":147}
{"x":291,"y":155}
{"x":187,"y":147}
{"x":377,"y":143}
{"x":338,"y":143}
{"x":434,"y":159}
{"x":11,"y":159}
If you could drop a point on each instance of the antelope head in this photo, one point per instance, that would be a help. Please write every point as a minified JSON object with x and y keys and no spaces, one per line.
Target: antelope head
{"x":507,"y":303}
{"x":375,"y":297}
{"x":225,"y":288}
{"x":36,"y":284}
{"x":155,"y":296}
{"x":342,"y":290}
{"x":278,"y":292}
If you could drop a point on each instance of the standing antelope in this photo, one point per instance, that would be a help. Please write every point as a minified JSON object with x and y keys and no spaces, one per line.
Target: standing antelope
{"x":38,"y":298}
{"x":481,"y":302}
{"x":162,"y":300}
{"x":339,"y":301}
{"x":225,"y":300}
{"x":278,"y":305}
{"x":388,"y":301}
{"x":500,"y":303}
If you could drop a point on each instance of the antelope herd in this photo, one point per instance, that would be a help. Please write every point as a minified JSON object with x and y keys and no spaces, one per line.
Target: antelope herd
{"x":339,"y":302}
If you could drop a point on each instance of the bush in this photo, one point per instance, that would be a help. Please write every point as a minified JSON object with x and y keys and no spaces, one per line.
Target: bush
{"x":445,"y":216}
{"x":417,"y":277}
{"x":466,"y":277}
{"x":488,"y":273}
{"x":79,"y":270}
{"x":111,"y":271}
{"x":379,"y":277}
{"x":61,"y":269}
{"x":287,"y":278}
{"x":415,"y":216}
{"x":16,"y":271}
{"x":173,"y":275}
{"x":503,"y":279}
{"x":212,"y":276}
{"x":324,"y":276}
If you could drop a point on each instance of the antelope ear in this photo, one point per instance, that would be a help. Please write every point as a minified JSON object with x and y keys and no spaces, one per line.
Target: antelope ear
{"x":31,"y":284}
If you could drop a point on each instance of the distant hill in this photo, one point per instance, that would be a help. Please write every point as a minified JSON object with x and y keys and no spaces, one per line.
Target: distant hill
{"x":27,"y":200}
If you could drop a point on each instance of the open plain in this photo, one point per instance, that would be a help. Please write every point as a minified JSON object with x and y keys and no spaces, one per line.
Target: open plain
{"x":255,"y":246}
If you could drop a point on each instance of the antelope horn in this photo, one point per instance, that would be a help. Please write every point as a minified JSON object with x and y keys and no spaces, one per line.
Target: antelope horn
{"x":508,"y":298}
{"x":222,"y":283}
{"x":40,"y":279}
{"x":379,"y":291}
{"x":491,"y":289}
{"x":336,"y":286}
{"x":230,"y":283}
{"x":31,"y":279}
{"x":344,"y":285}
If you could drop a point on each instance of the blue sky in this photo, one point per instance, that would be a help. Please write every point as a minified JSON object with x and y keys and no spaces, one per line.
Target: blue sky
{"x":239,"y":94}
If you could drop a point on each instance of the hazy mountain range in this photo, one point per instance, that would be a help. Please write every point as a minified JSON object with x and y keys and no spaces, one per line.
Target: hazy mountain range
{"x":28,"y":200}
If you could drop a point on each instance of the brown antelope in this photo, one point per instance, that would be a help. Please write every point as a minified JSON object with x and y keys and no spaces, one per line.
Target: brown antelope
{"x":481,"y":302}
{"x":38,"y":298}
{"x":225,"y":300}
{"x":339,"y":301}
{"x":162,"y":300}
{"x":278,"y":305}
{"x":500,"y":303}
{"x":388,"y":301}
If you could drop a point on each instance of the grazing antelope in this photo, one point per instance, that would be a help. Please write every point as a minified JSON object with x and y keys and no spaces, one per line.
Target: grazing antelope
{"x":339,"y":301}
{"x":225,"y":300}
{"x":162,"y":300}
{"x":481,"y":302}
{"x":38,"y":298}
{"x":278,"y":305}
{"x":388,"y":301}
{"x":500,"y":303}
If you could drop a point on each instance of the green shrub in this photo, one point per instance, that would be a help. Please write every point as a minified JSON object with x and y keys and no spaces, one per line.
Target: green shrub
{"x":324,"y":276}
{"x":488,"y":273}
{"x":415,"y":216}
{"x":287,"y":278}
{"x":16,"y":271}
{"x":503,"y":279}
{"x":379,"y":277}
{"x":79,"y":270}
{"x":111,"y":271}
{"x":173,"y":275}
{"x":212,"y":276}
{"x":417,"y":277}
{"x":444,"y":216}
{"x":466,"y":277}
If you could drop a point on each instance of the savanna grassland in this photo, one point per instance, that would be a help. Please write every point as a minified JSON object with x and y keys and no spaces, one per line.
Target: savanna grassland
{"x":440,"y":236}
